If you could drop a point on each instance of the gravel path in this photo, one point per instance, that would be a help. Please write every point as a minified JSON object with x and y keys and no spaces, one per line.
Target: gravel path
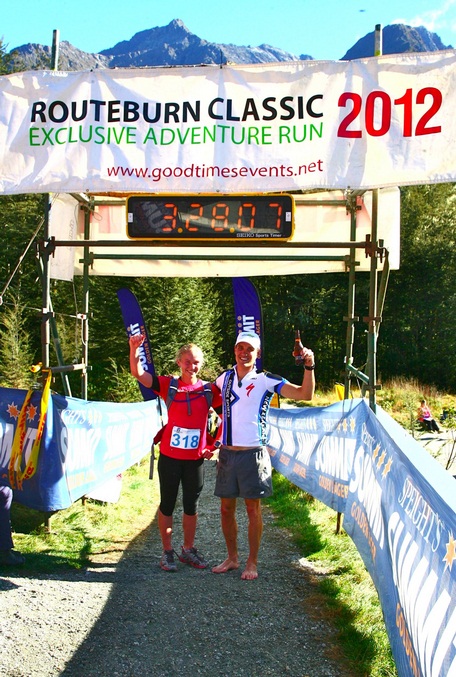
{"x":127,"y":618}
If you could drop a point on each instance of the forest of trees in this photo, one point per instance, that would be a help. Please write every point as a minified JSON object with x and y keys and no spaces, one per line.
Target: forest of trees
{"x":417,"y":335}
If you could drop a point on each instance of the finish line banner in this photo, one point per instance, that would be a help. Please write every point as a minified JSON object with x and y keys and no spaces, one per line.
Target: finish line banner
{"x":368,"y":123}
{"x":84,"y":445}
{"x":399,"y":507}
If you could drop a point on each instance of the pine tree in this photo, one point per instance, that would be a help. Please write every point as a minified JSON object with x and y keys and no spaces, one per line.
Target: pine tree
{"x":16,"y":355}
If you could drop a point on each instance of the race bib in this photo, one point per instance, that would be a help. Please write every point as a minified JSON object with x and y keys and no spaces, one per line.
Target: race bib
{"x":185,"y":438}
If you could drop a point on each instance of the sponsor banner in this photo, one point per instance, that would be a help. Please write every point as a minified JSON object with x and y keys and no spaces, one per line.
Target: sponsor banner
{"x":399,"y":508}
{"x":134,"y":324}
{"x":383,"y":121}
{"x":314,"y":448}
{"x":401,"y":515}
{"x":84,"y":445}
{"x":247,"y":311}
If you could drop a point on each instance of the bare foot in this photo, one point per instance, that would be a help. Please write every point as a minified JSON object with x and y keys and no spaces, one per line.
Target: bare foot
{"x":225,"y":566}
{"x":250,"y":572}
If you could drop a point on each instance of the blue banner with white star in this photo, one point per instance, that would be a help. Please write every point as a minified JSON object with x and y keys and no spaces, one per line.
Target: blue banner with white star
{"x":85,"y":444}
{"x":399,"y":507}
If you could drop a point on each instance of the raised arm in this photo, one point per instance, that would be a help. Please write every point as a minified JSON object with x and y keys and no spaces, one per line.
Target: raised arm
{"x":136,"y":367}
{"x":307,"y":388}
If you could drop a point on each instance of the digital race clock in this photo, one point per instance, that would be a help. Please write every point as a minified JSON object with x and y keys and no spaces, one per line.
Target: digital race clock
{"x":210,"y":217}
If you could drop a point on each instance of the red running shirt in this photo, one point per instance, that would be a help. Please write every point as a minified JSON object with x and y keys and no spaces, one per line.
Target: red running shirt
{"x":184,"y":436}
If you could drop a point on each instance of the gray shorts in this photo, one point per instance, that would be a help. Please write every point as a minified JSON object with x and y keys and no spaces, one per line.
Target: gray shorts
{"x":244,"y":473}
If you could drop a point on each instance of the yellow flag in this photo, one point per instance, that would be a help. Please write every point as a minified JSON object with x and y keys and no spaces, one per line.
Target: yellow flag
{"x":16,"y":474}
{"x":340,"y":391}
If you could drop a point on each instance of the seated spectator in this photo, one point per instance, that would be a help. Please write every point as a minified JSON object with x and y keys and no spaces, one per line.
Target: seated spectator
{"x":8,"y":556}
{"x":425,"y":417}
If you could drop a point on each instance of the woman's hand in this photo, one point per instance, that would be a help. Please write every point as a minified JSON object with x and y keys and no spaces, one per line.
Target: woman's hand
{"x":208,"y":454}
{"x":136,"y":340}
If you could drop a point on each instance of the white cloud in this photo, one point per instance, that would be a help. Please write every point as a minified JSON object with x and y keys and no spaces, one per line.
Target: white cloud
{"x":433,"y":19}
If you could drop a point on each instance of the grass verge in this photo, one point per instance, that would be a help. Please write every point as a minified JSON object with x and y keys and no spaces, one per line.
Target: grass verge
{"x":351,"y":603}
{"x":84,"y":531}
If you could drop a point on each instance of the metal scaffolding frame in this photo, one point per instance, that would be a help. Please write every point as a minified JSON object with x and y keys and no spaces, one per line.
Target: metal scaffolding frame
{"x":372,"y":246}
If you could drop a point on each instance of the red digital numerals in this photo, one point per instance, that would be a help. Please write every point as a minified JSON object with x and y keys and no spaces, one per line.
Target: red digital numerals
{"x":376,"y":113}
{"x":219,"y":216}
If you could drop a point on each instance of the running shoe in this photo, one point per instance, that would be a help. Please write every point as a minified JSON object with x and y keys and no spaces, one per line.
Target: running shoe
{"x":194,"y":558}
{"x":167,"y":562}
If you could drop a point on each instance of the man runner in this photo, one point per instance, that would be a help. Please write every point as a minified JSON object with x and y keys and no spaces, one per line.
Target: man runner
{"x":244,"y":466}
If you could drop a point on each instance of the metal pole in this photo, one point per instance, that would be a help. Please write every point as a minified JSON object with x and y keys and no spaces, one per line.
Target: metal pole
{"x":372,"y":319}
{"x":46,"y":299}
{"x":85,"y":321}
{"x":378,"y":47}
{"x":45,"y":331}
{"x":55,"y":50}
{"x":351,"y":319}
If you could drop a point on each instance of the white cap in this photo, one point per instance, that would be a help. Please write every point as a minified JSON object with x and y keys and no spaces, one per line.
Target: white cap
{"x":249,"y":337}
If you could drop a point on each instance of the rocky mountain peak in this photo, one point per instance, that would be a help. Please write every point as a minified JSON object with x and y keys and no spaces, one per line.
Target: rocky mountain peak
{"x":176,"y":45}
{"x":397,"y":39}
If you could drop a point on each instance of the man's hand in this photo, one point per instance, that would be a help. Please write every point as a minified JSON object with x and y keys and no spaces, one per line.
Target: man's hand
{"x":306,"y":357}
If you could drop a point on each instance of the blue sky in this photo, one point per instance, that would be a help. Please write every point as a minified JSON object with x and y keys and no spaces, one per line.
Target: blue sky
{"x":324,"y":29}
